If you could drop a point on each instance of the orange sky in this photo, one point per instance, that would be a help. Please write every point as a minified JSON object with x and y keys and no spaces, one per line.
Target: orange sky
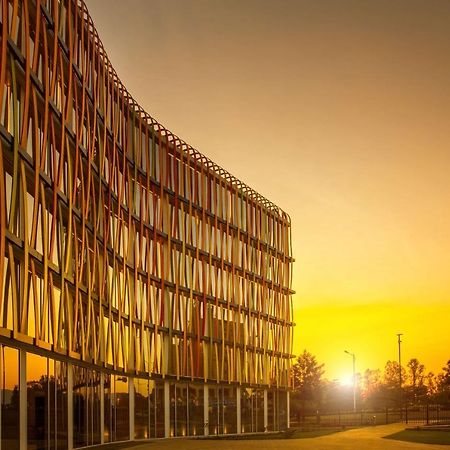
{"x":338,"y":111}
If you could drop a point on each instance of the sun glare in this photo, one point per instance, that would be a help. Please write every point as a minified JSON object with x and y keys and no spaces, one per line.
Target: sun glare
{"x":346,"y":380}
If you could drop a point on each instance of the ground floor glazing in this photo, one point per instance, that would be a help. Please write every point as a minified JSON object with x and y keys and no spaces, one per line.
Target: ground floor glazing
{"x":48,"y":404}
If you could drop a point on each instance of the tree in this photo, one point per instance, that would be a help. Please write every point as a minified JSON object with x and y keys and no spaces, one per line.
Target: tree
{"x":307,"y":376}
{"x":415,"y":372}
{"x":392,"y":392}
{"x":371,"y":381}
{"x":391,"y":375}
{"x":372,"y":392}
{"x":416,"y":378}
{"x":446,"y":374}
{"x":443,"y":385}
{"x":431,"y":383}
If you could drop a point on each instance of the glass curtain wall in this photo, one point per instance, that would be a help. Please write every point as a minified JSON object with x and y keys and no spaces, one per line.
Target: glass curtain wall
{"x":222,"y":410}
{"x":116,"y":408}
{"x":258,"y":405}
{"x":215,"y":411}
{"x":86,"y":407}
{"x":186,"y":409}
{"x":195,"y":410}
{"x":182,"y":398}
{"x":277,"y":410}
{"x":282,"y":410}
{"x":9,"y":398}
{"x":272,"y":411}
{"x":159,"y":410}
{"x":229,"y":410}
{"x":252,"y":410}
{"x":142,"y":409}
{"x":148,"y":409}
{"x":46,"y":403}
{"x":178,"y":409}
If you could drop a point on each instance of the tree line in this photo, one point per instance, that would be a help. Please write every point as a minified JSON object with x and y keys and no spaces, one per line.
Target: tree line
{"x":375,"y":388}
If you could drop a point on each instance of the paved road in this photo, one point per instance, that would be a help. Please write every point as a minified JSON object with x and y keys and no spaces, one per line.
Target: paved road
{"x":370,"y":438}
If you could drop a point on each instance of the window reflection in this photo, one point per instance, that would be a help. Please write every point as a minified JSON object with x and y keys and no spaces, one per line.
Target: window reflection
{"x":178,"y":410}
{"x":252,"y":410}
{"x":149,"y":409}
{"x":229,"y":410}
{"x":282,"y":409}
{"x":86,"y":407}
{"x":142,"y":408}
{"x":116,"y":408}
{"x":9,"y":398}
{"x":214,"y":411}
{"x":277,"y":410}
{"x":46,"y":403}
{"x":223,"y":410}
{"x":195,"y":404}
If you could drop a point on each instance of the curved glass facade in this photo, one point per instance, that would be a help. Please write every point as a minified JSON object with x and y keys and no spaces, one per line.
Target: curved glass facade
{"x":144,"y":291}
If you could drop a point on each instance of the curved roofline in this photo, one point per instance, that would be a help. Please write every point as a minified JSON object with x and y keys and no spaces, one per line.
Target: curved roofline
{"x":173,"y":139}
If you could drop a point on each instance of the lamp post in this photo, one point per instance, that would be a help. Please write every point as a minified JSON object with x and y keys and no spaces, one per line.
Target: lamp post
{"x":399,"y":342}
{"x":354,"y":378}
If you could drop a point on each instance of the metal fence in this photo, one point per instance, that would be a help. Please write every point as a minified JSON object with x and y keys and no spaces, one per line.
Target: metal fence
{"x":421,"y":414}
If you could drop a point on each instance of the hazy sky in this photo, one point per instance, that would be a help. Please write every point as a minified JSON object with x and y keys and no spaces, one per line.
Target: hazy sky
{"x":339,"y":112}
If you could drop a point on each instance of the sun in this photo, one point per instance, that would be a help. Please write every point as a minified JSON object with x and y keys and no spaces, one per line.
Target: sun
{"x":346,"y":380}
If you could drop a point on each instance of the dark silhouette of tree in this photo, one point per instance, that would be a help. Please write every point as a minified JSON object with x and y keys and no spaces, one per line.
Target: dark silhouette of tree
{"x":430,"y":381}
{"x":307,"y":376}
{"x":372,"y":389}
{"x":380,"y":390}
{"x":416,"y":372}
{"x":371,"y":381}
{"x":376,"y":389}
{"x":391,"y":375}
{"x":442,"y":391}
{"x":416,"y":390}
{"x":446,"y":374}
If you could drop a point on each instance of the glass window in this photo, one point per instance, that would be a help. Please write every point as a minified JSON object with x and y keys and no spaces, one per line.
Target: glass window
{"x":142,"y":408}
{"x":252,"y":410}
{"x":182,"y":395}
{"x":272,"y":411}
{"x":86,"y":407}
{"x":46,"y":403}
{"x":282,"y":409}
{"x":116,"y":408}
{"x":214,"y":411}
{"x":148,"y":409}
{"x":195,"y":410}
{"x":229,"y":410}
{"x":9,"y":398}
{"x":59,"y":410}
{"x":37,"y":402}
{"x":159,"y":409}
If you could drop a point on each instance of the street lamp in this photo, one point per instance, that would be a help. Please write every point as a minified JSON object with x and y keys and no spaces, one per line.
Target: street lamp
{"x":354,"y":378}
{"x":399,"y":342}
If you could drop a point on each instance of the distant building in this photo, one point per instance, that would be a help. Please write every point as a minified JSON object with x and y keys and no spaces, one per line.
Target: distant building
{"x":144,"y":291}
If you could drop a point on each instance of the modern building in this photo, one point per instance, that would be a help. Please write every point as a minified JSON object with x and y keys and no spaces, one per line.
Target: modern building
{"x":144,"y":291}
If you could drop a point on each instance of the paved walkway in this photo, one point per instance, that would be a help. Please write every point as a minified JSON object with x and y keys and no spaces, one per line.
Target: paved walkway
{"x":370,"y":438}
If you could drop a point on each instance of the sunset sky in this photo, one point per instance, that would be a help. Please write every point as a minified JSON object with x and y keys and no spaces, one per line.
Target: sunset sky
{"x":339,"y":112}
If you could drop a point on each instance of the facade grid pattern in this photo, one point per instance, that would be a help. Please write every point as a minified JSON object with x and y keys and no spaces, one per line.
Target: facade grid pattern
{"x":124,"y":252}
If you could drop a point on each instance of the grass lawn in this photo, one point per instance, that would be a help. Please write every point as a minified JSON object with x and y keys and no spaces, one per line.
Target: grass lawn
{"x":423,"y":437}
